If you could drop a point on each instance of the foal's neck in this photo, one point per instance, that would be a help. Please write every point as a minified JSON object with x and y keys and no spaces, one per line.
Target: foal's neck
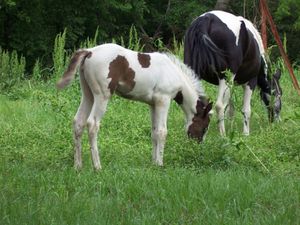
{"x":189,"y":103}
{"x":190,"y":90}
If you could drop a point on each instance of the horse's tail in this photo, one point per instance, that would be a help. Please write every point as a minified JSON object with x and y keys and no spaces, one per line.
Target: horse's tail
{"x":78,"y":58}
{"x":200,"y":51}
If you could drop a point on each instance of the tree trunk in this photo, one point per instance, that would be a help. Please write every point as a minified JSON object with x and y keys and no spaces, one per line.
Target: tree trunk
{"x":222,"y":5}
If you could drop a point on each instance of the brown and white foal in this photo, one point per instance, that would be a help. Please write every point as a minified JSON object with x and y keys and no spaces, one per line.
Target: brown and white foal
{"x":152,"y":78}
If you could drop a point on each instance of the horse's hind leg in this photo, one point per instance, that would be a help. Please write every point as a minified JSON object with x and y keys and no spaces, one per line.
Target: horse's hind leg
{"x":93,"y":124}
{"x":247,"y":108}
{"x":80,"y":121}
{"x":230,"y":109}
{"x":221,"y":104}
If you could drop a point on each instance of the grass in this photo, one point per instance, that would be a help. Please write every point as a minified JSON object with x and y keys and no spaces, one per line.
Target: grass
{"x":120,"y":195}
{"x":232,"y":180}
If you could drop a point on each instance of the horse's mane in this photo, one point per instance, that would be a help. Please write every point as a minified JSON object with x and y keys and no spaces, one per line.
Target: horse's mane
{"x":188,"y":73}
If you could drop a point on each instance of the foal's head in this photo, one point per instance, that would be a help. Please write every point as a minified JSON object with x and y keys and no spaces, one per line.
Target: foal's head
{"x":201,"y":119}
{"x":273,"y":102}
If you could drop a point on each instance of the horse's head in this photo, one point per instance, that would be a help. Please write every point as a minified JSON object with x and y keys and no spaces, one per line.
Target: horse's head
{"x":200,"y":122}
{"x":273,"y":101}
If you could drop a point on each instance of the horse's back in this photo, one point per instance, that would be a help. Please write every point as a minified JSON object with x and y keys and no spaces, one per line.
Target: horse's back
{"x":218,"y":41}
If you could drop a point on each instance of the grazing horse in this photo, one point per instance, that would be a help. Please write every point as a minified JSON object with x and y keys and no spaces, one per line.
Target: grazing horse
{"x":152,"y":78}
{"x":217,"y":42}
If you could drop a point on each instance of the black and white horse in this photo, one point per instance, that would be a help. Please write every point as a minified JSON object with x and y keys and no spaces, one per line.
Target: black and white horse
{"x":218,"y":41}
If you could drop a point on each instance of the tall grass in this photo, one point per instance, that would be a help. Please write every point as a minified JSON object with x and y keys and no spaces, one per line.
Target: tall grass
{"x":37,"y":72}
{"x":171,"y":196}
{"x":60,"y":57}
{"x":12,"y":69}
{"x":178,"y":48}
{"x":90,"y":42}
{"x":134,"y":41}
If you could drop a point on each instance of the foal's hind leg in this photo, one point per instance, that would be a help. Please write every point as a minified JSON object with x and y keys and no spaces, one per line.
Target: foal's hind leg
{"x":80,"y":120}
{"x":78,"y":127}
{"x":159,"y":115}
{"x":93,"y":124}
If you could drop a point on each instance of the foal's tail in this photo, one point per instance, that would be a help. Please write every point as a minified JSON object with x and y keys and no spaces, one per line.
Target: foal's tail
{"x":78,"y":57}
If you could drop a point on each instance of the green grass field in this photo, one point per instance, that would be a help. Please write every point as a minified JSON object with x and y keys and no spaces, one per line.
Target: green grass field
{"x":232,"y":180}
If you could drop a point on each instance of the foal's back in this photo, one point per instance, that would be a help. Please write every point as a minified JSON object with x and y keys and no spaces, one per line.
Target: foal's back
{"x":139,"y":76}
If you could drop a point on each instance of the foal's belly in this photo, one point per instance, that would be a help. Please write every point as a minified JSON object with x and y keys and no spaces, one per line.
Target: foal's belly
{"x":139,"y":92}
{"x":147,"y":88}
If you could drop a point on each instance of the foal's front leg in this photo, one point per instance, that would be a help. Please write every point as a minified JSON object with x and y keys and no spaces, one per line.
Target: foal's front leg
{"x":93,"y":124}
{"x":159,"y":115}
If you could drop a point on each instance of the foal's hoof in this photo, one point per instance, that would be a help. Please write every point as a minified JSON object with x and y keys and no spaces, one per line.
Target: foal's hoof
{"x":97,"y":168}
{"x":159,"y":163}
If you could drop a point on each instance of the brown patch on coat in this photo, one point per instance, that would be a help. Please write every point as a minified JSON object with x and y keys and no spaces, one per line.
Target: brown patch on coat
{"x":144,"y":60}
{"x":201,"y":119}
{"x":122,"y":76}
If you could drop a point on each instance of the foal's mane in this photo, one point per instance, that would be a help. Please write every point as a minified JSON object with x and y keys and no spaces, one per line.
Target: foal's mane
{"x":188,"y":74}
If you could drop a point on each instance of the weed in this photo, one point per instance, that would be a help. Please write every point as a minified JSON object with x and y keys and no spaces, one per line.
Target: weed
{"x":12,"y":69}
{"x":59,"y":56}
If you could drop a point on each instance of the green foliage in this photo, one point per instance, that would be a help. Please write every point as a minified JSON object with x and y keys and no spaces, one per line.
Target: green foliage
{"x":10,"y":2}
{"x":273,"y":60}
{"x":30,"y":27}
{"x":89,"y":43}
{"x":36,"y":72}
{"x":289,"y":9}
{"x":134,"y":42}
{"x":180,"y":16}
{"x":287,"y":19}
{"x":178,"y":48}
{"x":12,"y":69}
